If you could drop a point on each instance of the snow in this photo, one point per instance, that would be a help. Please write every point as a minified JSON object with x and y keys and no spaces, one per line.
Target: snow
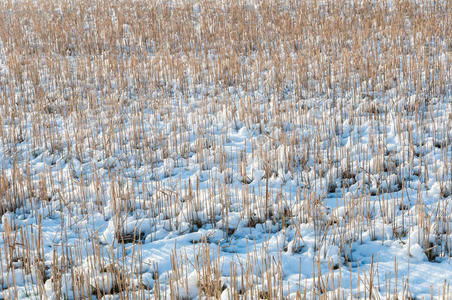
{"x":382,"y":202}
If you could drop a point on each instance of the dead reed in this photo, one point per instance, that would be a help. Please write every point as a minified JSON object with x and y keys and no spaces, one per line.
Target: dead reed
{"x":305,"y":128}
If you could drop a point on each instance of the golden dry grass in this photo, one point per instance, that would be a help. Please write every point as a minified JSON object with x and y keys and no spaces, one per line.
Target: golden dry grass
{"x":108,"y":92}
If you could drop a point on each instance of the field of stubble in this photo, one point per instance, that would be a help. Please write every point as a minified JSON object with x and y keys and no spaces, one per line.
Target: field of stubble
{"x":225,"y":149}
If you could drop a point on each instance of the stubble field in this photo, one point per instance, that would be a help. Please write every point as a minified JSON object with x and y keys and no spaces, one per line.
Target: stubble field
{"x":225,"y":149}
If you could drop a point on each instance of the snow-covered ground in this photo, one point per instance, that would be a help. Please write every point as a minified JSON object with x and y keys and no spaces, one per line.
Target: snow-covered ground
{"x":199,"y":188}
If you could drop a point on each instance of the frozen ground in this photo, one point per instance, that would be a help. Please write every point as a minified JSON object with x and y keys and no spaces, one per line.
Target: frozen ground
{"x":248,"y":191}
{"x":391,"y":232}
